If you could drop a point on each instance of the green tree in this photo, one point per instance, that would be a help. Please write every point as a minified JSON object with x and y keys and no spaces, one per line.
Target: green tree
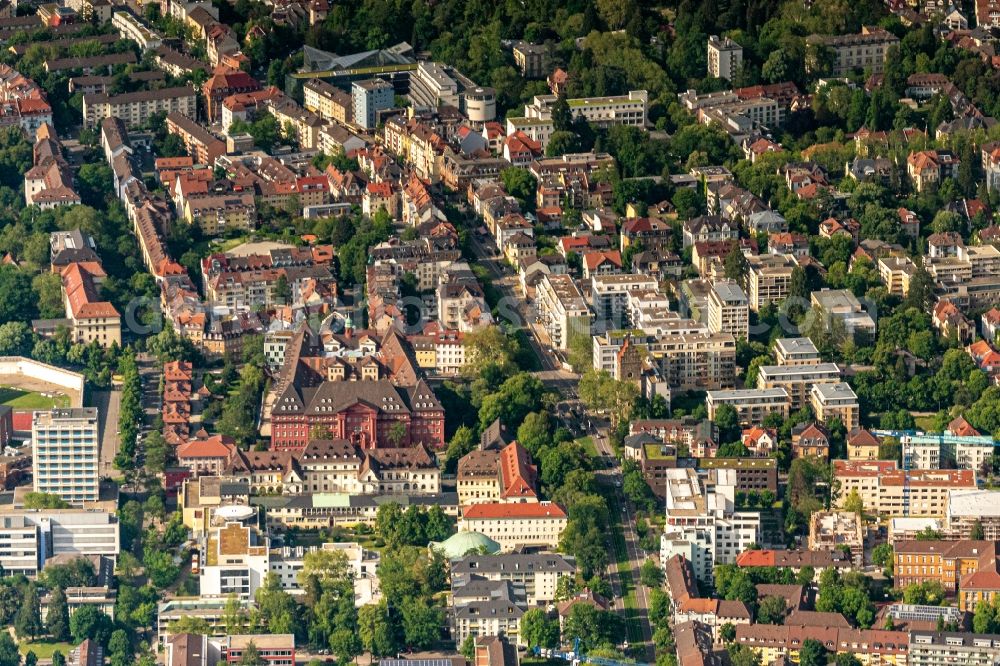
{"x":376,"y":631}
{"x":535,"y":432}
{"x":421,"y":622}
{"x":464,"y":441}
{"x":650,"y":574}
{"x":187,"y":624}
{"x":727,"y":420}
{"x":33,"y":500}
{"x":90,"y":622}
{"x":741,"y":655}
{"x":520,"y":184}
{"x":593,"y":627}
{"x":282,"y":290}
{"x":120,"y":647}
{"x":160,"y":568}
{"x":812,"y":653}
{"x":28,"y":622}
{"x":468,"y":648}
{"x":562,"y":116}
{"x":882,"y":555}
{"x":854,"y":503}
{"x":561,"y":143}
{"x":9,"y":655}
{"x":58,"y":615}
{"x":772,"y":610}
{"x":735,"y":264}
{"x":16,"y":300}
{"x":539,"y":630}
{"x":251,"y":656}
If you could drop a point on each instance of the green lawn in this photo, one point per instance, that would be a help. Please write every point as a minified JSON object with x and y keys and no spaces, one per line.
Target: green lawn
{"x":44,"y":649}
{"x":588,"y":445}
{"x":925,"y":423}
{"x":19,"y":399}
{"x":229,"y":243}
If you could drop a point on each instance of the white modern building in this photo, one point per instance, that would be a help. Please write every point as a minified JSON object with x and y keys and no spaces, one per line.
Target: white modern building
{"x":835,"y":400}
{"x":728,"y":309}
{"x":627,"y":109}
{"x":702,"y":523}
{"x":538,"y":573}
{"x":725,"y":57}
{"x":795,"y":351}
{"x":609,"y":295}
{"x":752,"y":405}
{"x":234,"y":561}
{"x":286,"y":563}
{"x":370,"y":97}
{"x":798,"y":380}
{"x":562,"y":309}
{"x":66,"y":454}
{"x":29,"y":537}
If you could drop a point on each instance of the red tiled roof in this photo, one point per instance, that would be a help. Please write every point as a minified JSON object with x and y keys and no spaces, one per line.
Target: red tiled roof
{"x":497,"y":511}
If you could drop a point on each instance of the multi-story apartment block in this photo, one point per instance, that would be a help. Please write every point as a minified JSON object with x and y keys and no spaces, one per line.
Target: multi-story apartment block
{"x":835,"y":530}
{"x":769,"y":278}
{"x":538,"y":573}
{"x":968,"y":508}
{"x":201,"y":144}
{"x":796,"y":351}
{"x":136,"y":108}
{"x":896,"y":273}
{"x":798,"y":380}
{"x":831,"y":400}
{"x":217,"y":213}
{"x":751,"y":474}
{"x":234,"y":561}
{"x":609,"y":295}
{"x":92,"y":319}
{"x":939,"y":648}
{"x":369,"y":97}
{"x":752,"y":405}
{"x":328,"y":101}
{"x":728,"y":310}
{"x":504,"y":476}
{"x":66,"y":459}
{"x":927,"y":168}
{"x":702,"y":523}
{"x":487,"y":608}
{"x":563,"y":309}
{"x":627,"y":109}
{"x":129,"y":27}
{"x":885,"y":489}
{"x":865,"y":51}
{"x":99,"y":596}
{"x":49,"y":183}
{"x":843,"y":305}
{"x":871,"y":647}
{"x":20,"y":550}
{"x":538,"y":524}
{"x":696,"y":361}
{"x":531,"y":59}
{"x":944,"y":562}
{"x":725,"y":57}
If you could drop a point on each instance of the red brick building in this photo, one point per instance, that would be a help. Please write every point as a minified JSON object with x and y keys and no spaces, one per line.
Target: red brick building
{"x":370,"y":414}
